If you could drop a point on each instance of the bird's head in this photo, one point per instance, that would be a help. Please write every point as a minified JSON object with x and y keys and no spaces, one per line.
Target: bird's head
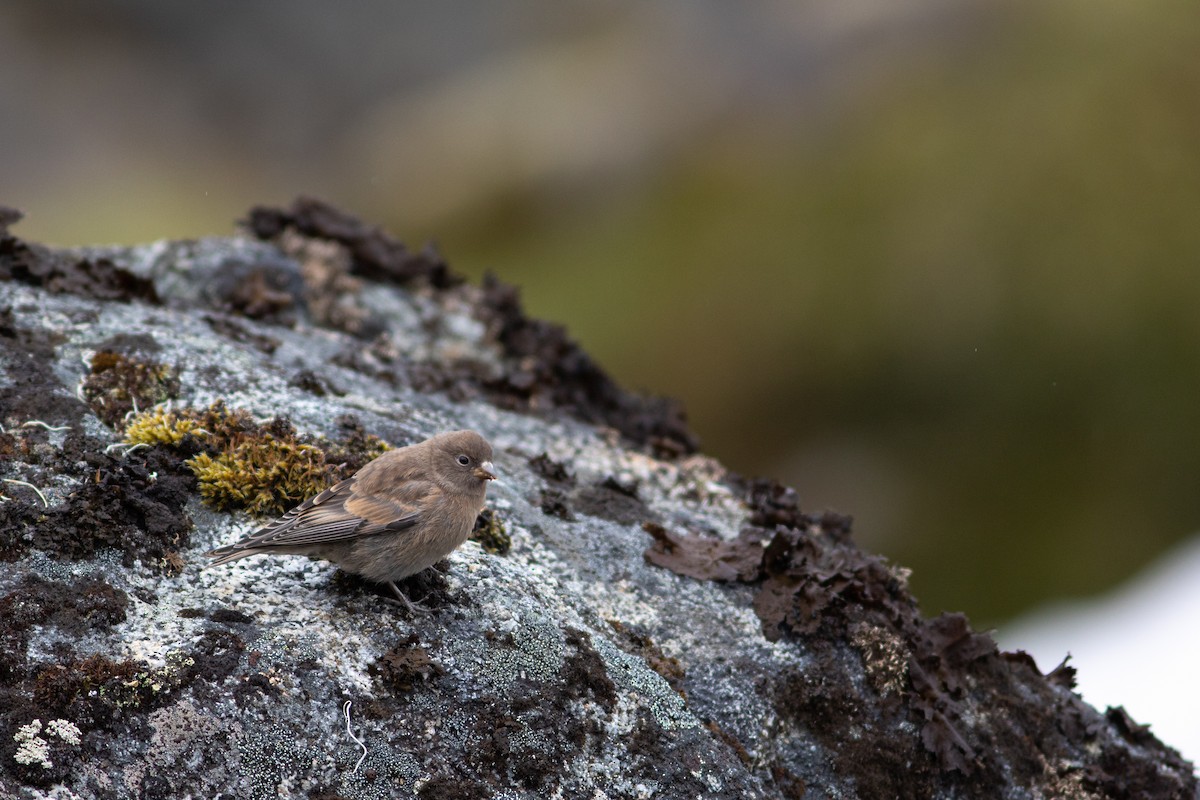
{"x":464,"y":458}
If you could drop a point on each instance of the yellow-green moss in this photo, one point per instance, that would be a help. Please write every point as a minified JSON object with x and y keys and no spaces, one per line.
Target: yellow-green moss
{"x":263,"y":475}
{"x":264,"y":468}
{"x":216,"y":425}
{"x":224,"y":426}
{"x":161,"y":427}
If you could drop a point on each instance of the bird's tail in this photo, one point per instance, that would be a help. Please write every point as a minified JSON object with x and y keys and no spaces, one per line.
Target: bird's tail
{"x":230,"y":552}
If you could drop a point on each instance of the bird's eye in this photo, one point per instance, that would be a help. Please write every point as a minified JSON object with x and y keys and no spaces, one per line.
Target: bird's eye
{"x":464,"y":460}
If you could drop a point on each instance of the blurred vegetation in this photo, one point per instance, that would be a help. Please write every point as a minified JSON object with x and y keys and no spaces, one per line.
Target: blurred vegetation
{"x":956,"y":298}
{"x":979,"y":284}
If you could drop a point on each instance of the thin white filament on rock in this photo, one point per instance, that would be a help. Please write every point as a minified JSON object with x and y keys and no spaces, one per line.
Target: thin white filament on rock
{"x":41,"y":496}
{"x":350,"y":733}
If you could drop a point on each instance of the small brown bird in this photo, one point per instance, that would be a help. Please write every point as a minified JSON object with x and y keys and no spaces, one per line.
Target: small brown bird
{"x":399,"y":514}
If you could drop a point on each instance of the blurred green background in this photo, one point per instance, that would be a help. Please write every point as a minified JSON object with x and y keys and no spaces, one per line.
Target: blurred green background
{"x":933,"y":263}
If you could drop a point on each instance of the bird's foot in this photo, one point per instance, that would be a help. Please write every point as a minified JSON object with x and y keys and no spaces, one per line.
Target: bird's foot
{"x":412,"y":606}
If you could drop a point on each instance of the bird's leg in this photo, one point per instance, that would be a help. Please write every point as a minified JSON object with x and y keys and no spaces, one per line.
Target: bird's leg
{"x":409,"y":605}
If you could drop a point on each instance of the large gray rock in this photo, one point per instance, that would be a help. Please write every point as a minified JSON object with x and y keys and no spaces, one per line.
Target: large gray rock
{"x":658,"y":627}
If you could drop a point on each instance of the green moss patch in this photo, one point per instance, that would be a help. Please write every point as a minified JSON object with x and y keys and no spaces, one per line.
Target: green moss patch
{"x":264,"y":468}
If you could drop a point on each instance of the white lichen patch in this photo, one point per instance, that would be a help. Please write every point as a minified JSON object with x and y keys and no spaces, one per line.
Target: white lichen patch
{"x":63,"y":729}
{"x":33,"y":748}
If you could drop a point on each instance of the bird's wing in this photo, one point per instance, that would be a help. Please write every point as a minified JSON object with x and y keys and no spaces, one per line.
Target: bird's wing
{"x":337,"y":514}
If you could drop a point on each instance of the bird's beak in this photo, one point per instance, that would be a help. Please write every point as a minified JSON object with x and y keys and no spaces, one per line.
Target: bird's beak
{"x":485,"y":471}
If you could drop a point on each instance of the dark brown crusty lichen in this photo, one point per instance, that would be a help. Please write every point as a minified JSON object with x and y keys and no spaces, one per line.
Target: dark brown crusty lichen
{"x":58,"y":272}
{"x":932,"y":675}
{"x":543,"y":366}
{"x":704,"y":557}
{"x":132,"y":504}
{"x":119,"y":384}
{"x":636,"y":641}
{"x":404,"y":666}
{"x":374,"y":254}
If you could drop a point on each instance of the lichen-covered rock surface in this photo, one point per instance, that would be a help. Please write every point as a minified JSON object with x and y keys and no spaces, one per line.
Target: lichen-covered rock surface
{"x":633,"y":621}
